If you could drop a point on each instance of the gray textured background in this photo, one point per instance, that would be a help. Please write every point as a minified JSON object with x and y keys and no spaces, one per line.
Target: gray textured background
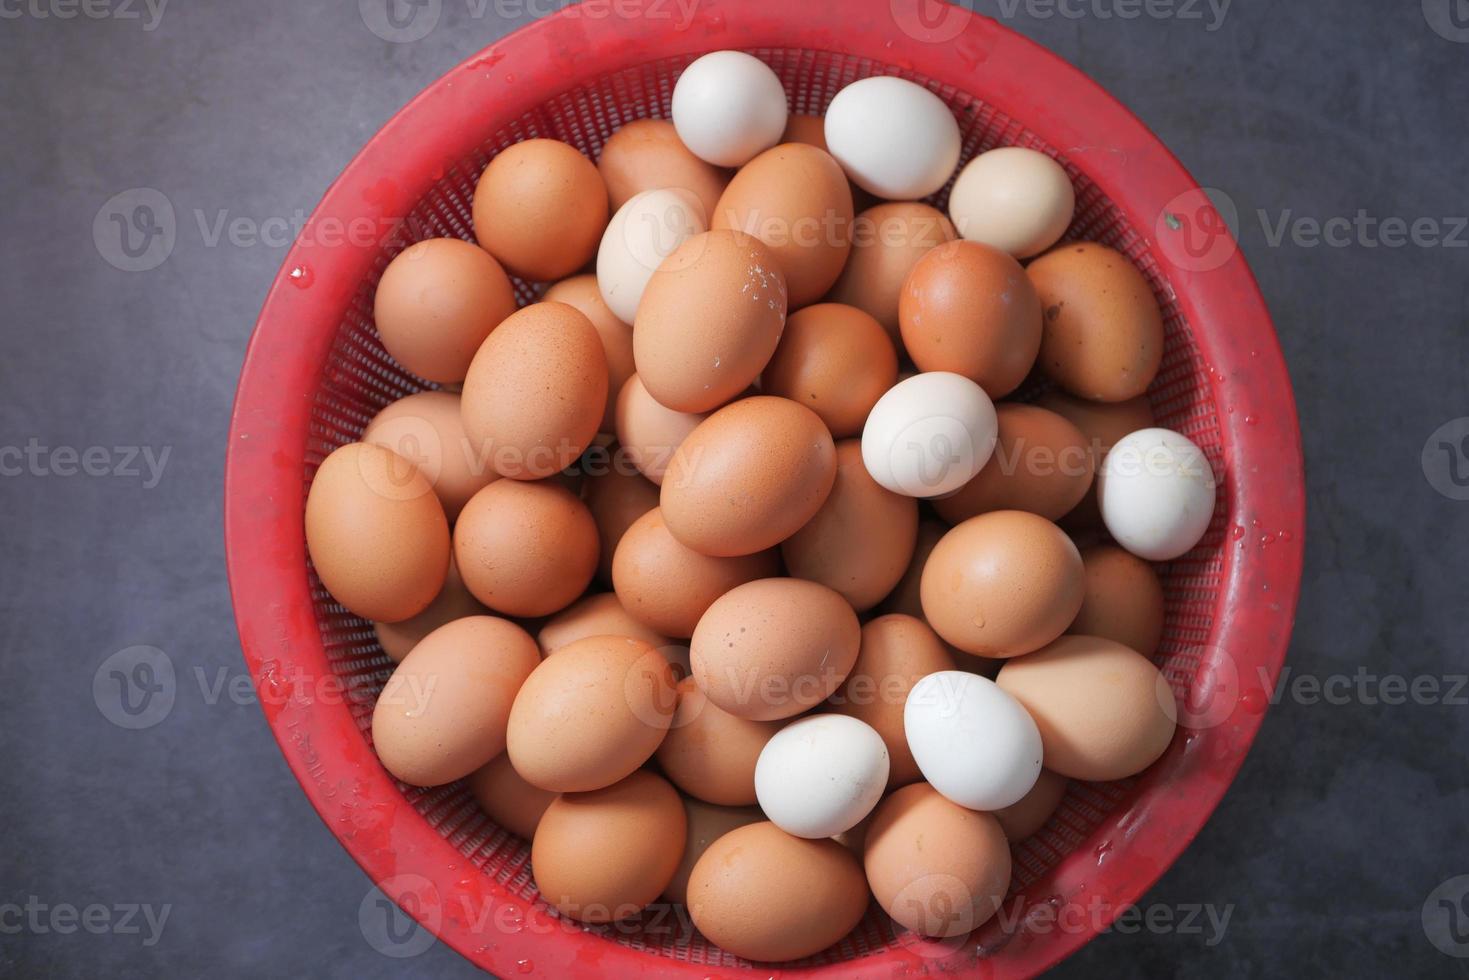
{"x":1346,"y":816}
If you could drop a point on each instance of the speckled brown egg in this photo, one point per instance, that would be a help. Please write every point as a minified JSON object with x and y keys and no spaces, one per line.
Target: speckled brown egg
{"x":939,"y":891}
{"x":897,"y":652}
{"x":969,"y":308}
{"x":436,"y":303}
{"x":861,"y":540}
{"x":540,"y":207}
{"x":526,"y":549}
{"x":650,"y":432}
{"x":1021,"y":820}
{"x":1103,"y":710}
{"x":905,"y":596}
{"x":509,"y":800}
{"x":762,"y":894}
{"x":595,"y":615}
{"x":1103,"y":337}
{"x":773,"y":648}
{"x":591,"y":714}
{"x":607,"y":854}
{"x":709,"y":320}
{"x":453,"y":602}
{"x":1041,"y":464}
{"x":1002,"y":584}
{"x":710,"y":753}
{"x":707,"y":823}
{"x":667,"y":585}
{"x":617,"y":497}
{"x":1103,"y":425}
{"x":581,"y":293}
{"x":750,"y":476}
{"x":443,"y":713}
{"x":1124,"y":599}
{"x":427,"y":429}
{"x":376,"y":533}
{"x":837,"y":361}
{"x":535,"y":393}
{"x":647,"y":155}
{"x":887,"y":242}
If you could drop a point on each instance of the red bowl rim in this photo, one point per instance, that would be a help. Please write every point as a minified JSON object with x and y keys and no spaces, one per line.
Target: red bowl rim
{"x":264,"y":486}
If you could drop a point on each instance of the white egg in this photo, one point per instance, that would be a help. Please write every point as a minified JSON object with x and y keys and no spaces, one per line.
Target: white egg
{"x":729,"y":106}
{"x":929,"y":434}
{"x":821,"y":775}
{"x":893,"y":138}
{"x":973,"y":742}
{"x":1156,"y":491}
{"x":1012,"y":198}
{"x":643,"y":233}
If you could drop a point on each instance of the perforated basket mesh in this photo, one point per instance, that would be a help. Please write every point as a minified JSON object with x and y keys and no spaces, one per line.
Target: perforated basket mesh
{"x":359,"y":378}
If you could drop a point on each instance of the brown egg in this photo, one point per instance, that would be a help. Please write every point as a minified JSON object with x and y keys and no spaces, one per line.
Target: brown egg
{"x":536,"y":392}
{"x":540,"y":207}
{"x":887,"y":242}
{"x":750,"y":476}
{"x":764,"y":895}
{"x":443,"y":713}
{"x":581,"y":292}
{"x":897,"y":652}
{"x":1103,"y":425}
{"x":616,"y":498}
{"x":668,"y":585}
{"x":1021,"y":820}
{"x":509,"y":800}
{"x":526,"y":549}
{"x":1002,"y":584}
{"x":710,"y":753}
{"x":427,"y":430}
{"x":646,"y":155}
{"x":453,"y":602}
{"x":376,"y":533}
{"x":648,"y":432}
{"x":810,"y":130}
{"x":773,"y":648}
{"x":905,"y":597}
{"x":795,"y":198}
{"x":939,"y":891}
{"x":1124,"y":600}
{"x":861,"y":540}
{"x":436,"y":303}
{"x":596,"y":615}
{"x":835,"y":360}
{"x":730,"y":286}
{"x":607,"y":854}
{"x":707,"y":823}
{"x":1042,"y":464}
{"x":591,"y":714}
{"x":1103,"y":336}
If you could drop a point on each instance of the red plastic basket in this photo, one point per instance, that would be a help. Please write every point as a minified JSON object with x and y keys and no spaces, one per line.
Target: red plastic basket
{"x":315,"y":373}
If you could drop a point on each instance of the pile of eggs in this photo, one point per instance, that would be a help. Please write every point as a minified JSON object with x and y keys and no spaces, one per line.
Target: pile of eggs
{"x":848,"y":648}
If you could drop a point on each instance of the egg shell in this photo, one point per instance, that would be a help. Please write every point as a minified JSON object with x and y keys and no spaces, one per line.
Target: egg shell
{"x":426,"y":428}
{"x":750,"y":476}
{"x":526,"y":549}
{"x":820,"y":776}
{"x":540,"y":208}
{"x":1156,"y":491}
{"x":643,"y":233}
{"x":1022,"y":820}
{"x":1016,"y":199}
{"x":591,"y":714}
{"x":929,"y":435}
{"x":1103,"y":329}
{"x":594,"y":615}
{"x":607,"y":854}
{"x":667,"y":585}
{"x":727,"y":107}
{"x":1102,"y":424}
{"x":887,"y":242}
{"x":893,"y":137}
{"x":1123,"y":602}
{"x":1042,"y":464}
{"x":646,"y":154}
{"x":861,"y":540}
{"x":905,"y":598}
{"x":376,"y":534}
{"x":972,"y":741}
{"x":454,"y":601}
{"x":897,"y":652}
{"x":536,"y":392}
{"x":1104,"y":711}
{"x":765,"y":895}
{"x":709,"y":319}
{"x":1002,"y":584}
{"x":509,"y":800}
{"x":773,"y":648}
{"x":837,"y":361}
{"x":707,"y":823}
{"x":649,"y":432}
{"x":709,"y":753}
{"x":801,"y":128}
{"x":794,"y":198}
{"x":581,"y":293}
{"x":945,"y":891}
{"x":617,"y":497}
{"x":969,"y":308}
{"x":443,"y":712}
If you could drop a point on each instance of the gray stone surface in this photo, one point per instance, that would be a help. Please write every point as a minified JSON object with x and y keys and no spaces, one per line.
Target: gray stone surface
{"x":1344,"y":820}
